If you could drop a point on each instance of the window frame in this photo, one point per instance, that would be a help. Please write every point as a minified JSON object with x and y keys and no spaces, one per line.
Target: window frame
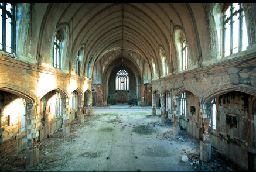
{"x":184,"y":55}
{"x":229,"y":20}
{"x":183,"y":104}
{"x":122,"y":80}
{"x":57,"y":53}
{"x":5,"y":15}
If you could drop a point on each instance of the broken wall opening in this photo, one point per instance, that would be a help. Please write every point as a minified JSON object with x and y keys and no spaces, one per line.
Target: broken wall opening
{"x":234,"y":136}
{"x":13,"y":119}
{"x":53,"y":108}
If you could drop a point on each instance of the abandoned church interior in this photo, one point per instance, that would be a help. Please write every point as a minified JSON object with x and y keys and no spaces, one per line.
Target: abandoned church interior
{"x":128,"y":86}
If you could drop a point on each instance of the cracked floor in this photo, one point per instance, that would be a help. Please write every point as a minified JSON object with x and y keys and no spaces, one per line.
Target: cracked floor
{"x":119,"y":138}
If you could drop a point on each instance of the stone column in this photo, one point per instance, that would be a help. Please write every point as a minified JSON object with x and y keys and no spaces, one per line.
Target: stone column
{"x":80,"y":113}
{"x":175,"y":119}
{"x":153,"y":103}
{"x":252,"y":145}
{"x":163,"y":109}
{"x":205,"y":143}
{"x":32,"y":148}
{"x":142,"y":95}
{"x":88,"y":108}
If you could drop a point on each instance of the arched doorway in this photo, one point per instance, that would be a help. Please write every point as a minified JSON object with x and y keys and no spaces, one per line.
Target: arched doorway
{"x":15,"y":110}
{"x":53,"y":109}
{"x":233,"y":114}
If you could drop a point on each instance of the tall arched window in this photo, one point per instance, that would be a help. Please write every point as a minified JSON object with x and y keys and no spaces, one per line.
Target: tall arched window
{"x":154,"y":69}
{"x":184,"y":53}
{"x":122,"y":80}
{"x":164,"y":62}
{"x":182,"y":49}
{"x":57,"y":49}
{"x":235,"y":37}
{"x":7,"y":27}
{"x":78,"y":62}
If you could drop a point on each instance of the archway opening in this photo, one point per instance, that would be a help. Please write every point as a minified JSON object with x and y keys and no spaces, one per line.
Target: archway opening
{"x":13,"y":121}
{"x":53,"y":108}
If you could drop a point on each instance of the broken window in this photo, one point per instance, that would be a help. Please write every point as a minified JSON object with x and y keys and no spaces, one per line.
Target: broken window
{"x":183,"y":104}
{"x":57,"y":49}
{"x":122,"y":80}
{"x":7,"y":27}
{"x":235,"y":37}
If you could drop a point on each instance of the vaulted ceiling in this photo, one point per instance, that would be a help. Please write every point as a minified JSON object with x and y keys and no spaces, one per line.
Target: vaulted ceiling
{"x":133,"y":30}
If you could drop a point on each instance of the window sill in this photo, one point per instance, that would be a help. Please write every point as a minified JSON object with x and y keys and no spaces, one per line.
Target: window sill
{"x":248,"y":52}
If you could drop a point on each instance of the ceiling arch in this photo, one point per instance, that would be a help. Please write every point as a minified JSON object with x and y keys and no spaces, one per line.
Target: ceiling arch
{"x":131,"y":27}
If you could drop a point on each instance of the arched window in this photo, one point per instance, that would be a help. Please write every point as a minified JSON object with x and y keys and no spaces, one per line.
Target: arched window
{"x":57,"y":49}
{"x":78,"y":63}
{"x":154,"y":69}
{"x":182,"y":49}
{"x":164,"y":62}
{"x":235,"y":37}
{"x":184,"y":54}
{"x":122,"y":80}
{"x":7,"y":27}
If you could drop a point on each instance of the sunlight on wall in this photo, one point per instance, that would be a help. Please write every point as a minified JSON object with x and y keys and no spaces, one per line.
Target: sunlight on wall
{"x":154,"y":70}
{"x":51,"y":104}
{"x":72,"y":85}
{"x":85,"y":87}
{"x":46,"y":82}
{"x":16,"y":110}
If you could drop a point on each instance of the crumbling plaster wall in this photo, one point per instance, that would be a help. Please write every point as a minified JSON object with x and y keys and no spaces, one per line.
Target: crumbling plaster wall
{"x":236,"y":74}
{"x":36,"y":81}
{"x":12,"y":130}
{"x":232,"y":136}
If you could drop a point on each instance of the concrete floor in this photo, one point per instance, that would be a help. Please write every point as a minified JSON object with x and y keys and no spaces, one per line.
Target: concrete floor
{"x":117,"y":138}
{"x":123,"y":138}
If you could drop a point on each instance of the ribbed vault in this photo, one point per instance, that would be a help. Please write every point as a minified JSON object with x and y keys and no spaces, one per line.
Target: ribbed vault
{"x":134,"y":28}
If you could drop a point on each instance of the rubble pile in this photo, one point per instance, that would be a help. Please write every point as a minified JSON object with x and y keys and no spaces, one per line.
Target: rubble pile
{"x":9,"y":158}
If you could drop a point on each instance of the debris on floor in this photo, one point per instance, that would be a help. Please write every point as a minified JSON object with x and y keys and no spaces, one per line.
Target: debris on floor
{"x":111,"y":136}
{"x":184,"y":158}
